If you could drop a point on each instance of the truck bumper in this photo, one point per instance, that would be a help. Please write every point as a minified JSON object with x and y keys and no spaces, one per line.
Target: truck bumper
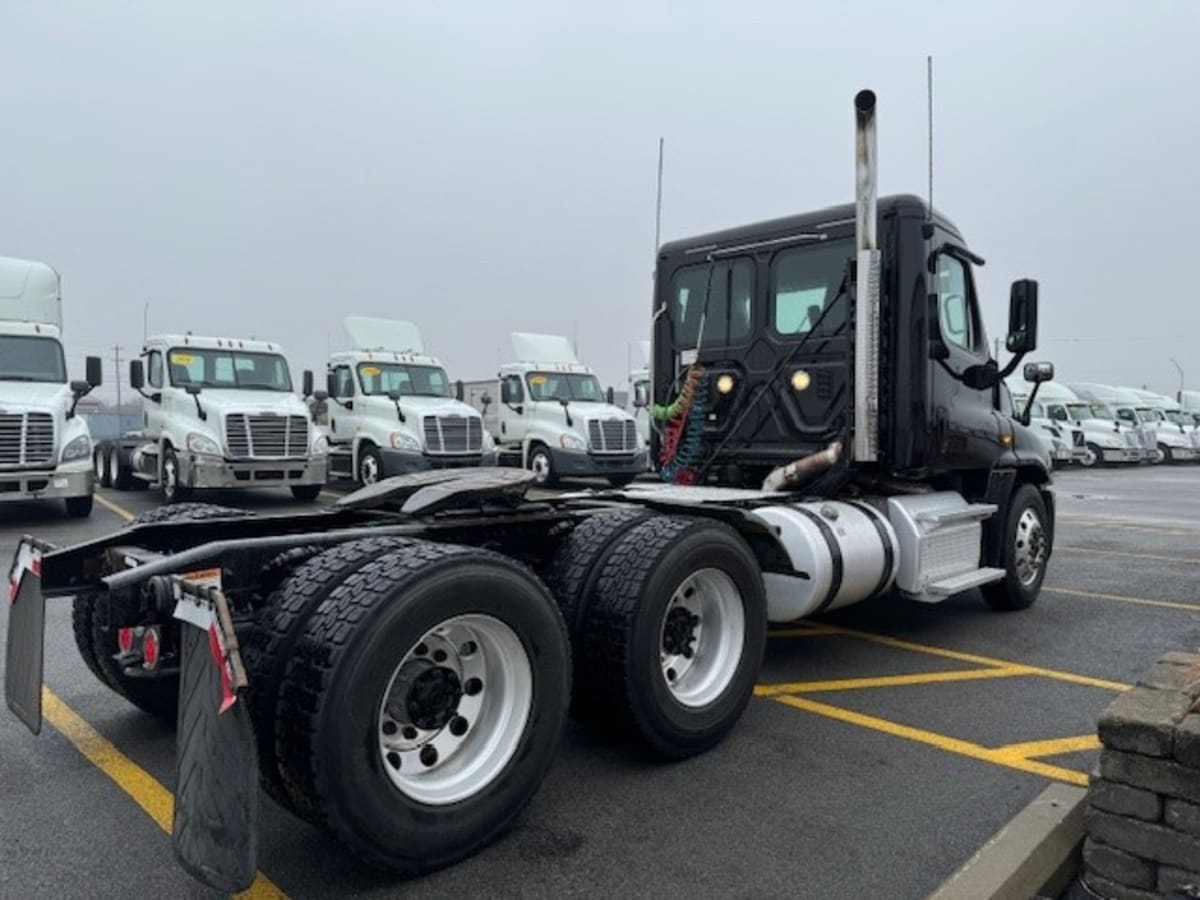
{"x":402,"y":462}
{"x":46,"y":485}
{"x":580,"y":464}
{"x":199,"y":471}
{"x":1184,"y":454}
{"x":1122,"y":454}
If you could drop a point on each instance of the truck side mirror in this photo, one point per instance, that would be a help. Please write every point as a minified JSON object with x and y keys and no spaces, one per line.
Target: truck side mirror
{"x":1037,"y":372}
{"x":137,"y":374}
{"x":609,"y":395}
{"x":93,"y":371}
{"x":1022,"y":316}
{"x":459,"y":390}
{"x":306,"y":380}
{"x":505,"y":393}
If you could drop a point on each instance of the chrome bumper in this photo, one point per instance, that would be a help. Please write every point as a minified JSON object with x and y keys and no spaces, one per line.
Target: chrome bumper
{"x":45,"y":485}
{"x":201,"y":471}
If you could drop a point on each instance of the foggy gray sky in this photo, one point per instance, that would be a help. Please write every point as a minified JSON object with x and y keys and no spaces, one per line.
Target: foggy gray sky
{"x":263,"y":169}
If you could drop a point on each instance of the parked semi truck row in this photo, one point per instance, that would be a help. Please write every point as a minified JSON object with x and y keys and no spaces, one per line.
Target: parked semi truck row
{"x":45,"y":446}
{"x":398,"y":667}
{"x":1107,"y":439}
{"x":1132,"y":408}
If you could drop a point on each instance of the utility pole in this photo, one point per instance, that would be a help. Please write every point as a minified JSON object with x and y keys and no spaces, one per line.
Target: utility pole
{"x":1179,"y":369}
{"x":117,"y":362}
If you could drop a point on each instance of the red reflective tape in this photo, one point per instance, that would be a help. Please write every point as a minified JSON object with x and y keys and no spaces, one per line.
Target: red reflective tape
{"x":228,"y":697}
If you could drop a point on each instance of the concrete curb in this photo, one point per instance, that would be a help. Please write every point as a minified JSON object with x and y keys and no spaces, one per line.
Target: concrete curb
{"x":1036,"y":853}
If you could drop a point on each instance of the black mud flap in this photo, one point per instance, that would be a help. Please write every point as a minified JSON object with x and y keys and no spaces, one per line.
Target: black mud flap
{"x":26,"y":634}
{"x":216,"y":787}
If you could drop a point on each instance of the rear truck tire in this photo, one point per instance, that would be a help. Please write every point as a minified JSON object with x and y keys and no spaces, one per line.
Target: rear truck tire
{"x":425,"y":702}
{"x":103,"y":612}
{"x":541,"y":464}
{"x":578,"y":558}
{"x":172,"y":490}
{"x":1025,"y":552}
{"x":280,"y":622}
{"x":306,"y":493}
{"x":620,"y":481}
{"x":674,"y":635}
{"x":370,"y":465}
{"x":100,"y":465}
{"x":1095,"y":459}
{"x":79,"y":507}
{"x":119,"y":475}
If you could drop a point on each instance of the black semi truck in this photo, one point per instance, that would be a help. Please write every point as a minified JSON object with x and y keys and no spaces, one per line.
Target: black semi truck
{"x":398,"y":668}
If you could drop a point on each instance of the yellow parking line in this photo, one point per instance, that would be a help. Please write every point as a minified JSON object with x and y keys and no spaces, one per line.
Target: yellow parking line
{"x":1055,"y":674}
{"x":1150,"y":556}
{"x":115,"y":509}
{"x":1121,"y":598}
{"x":854,"y":684}
{"x":1051,"y":748}
{"x":940,"y":741}
{"x":154,"y":799}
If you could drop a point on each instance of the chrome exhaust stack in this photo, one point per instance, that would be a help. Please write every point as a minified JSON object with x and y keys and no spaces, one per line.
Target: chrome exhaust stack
{"x":865,"y":446}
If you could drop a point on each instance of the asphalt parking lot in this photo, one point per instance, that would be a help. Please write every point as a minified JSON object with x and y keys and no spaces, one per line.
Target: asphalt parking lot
{"x":886,"y":743}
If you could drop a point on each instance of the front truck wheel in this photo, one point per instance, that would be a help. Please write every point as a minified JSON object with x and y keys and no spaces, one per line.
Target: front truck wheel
{"x":425,"y":702}
{"x":1024,"y":552}
{"x":306,"y":493}
{"x":674,"y":634}
{"x":79,"y":507}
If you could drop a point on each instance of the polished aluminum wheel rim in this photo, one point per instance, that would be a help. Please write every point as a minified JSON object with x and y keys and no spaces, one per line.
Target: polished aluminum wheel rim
{"x":702,"y":632}
{"x":368,"y":470}
{"x":540,"y":465}
{"x":454,"y":710}
{"x":113,"y":467}
{"x":1030,"y":551}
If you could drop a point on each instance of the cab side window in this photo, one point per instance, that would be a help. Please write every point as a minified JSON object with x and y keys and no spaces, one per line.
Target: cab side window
{"x":154,"y":369}
{"x":956,"y":303}
{"x":511,"y":389}
{"x":343,"y":383}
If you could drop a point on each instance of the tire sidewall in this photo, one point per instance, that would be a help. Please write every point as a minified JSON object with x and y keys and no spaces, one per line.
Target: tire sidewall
{"x":369,"y":453}
{"x":544,"y":452}
{"x":358,"y":787}
{"x":1021,"y":596}
{"x":684,"y":725}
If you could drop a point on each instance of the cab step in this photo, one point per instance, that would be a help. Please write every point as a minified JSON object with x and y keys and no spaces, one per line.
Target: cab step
{"x":956,"y":584}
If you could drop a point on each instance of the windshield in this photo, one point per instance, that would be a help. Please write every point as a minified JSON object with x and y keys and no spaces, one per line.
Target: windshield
{"x":1082,"y":411}
{"x":31,"y":359}
{"x":1150,"y":414}
{"x":1100,"y":411}
{"x":410,"y":381}
{"x":228,"y":369}
{"x":1180,"y":418}
{"x":561,"y":386}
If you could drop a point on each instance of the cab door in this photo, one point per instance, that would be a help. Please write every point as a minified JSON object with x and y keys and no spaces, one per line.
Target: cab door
{"x":514,"y":412}
{"x":342,"y":424}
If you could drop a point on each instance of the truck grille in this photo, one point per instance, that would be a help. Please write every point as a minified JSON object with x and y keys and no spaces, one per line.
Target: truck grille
{"x":453,"y":434}
{"x":249,"y":437}
{"x":612,"y":435}
{"x":27,"y":439}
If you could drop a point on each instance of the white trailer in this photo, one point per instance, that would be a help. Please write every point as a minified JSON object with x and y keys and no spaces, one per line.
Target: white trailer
{"x":219,"y":413}
{"x":45,"y":448}
{"x":392,"y":409}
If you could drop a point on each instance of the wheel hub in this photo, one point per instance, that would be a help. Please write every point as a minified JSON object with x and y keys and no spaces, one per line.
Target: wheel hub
{"x":433,"y":696}
{"x":679,"y":632}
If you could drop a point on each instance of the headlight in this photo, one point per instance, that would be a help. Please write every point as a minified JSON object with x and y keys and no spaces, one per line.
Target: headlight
{"x":202,"y":443}
{"x":403,"y":441}
{"x":77,"y":448}
{"x":572,"y":442}
{"x":724,"y":383}
{"x":320,"y":446}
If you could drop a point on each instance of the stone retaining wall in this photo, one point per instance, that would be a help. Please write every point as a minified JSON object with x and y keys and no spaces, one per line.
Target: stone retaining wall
{"x":1143,"y":808}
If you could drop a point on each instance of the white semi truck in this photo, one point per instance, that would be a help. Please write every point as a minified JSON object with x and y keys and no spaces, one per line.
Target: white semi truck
{"x":1107,"y":439}
{"x":553,"y":418}
{"x":1176,"y":432}
{"x":45,"y":448}
{"x":1124,"y":403}
{"x":1065,"y":441}
{"x":392,"y":409}
{"x":637,"y":400}
{"x":217,"y":413}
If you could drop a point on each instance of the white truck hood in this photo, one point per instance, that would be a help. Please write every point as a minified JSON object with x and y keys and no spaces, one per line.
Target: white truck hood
{"x":19,"y":396}
{"x":436,"y":406}
{"x":216,"y":400}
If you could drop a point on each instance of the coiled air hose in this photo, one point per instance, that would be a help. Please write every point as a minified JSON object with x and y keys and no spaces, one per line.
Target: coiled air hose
{"x":683,"y":434}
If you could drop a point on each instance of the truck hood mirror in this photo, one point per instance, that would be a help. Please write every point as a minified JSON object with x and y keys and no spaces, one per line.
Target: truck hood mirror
{"x":394,"y":396}
{"x":1022,"y":317}
{"x":194,"y":390}
{"x":566,"y":411}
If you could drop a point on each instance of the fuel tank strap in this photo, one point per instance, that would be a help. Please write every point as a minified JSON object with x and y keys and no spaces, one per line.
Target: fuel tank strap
{"x":889,"y":552}
{"x":835,"y":555}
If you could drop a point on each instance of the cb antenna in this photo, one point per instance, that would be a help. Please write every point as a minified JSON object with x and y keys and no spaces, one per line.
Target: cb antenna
{"x":929,"y":102}
{"x":658,"y":202}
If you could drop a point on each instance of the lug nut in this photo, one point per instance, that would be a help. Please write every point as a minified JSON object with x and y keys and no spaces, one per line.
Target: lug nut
{"x":410,"y":733}
{"x":472,"y":687}
{"x":468,"y":648}
{"x":671,"y":676}
{"x":389,"y":728}
{"x":429,"y":755}
{"x":420,"y":650}
{"x":458,"y":726}
{"x":393,"y":759}
{"x":439,"y":656}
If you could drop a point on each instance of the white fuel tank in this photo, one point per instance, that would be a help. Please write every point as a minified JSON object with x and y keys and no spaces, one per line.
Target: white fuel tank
{"x":842,"y":553}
